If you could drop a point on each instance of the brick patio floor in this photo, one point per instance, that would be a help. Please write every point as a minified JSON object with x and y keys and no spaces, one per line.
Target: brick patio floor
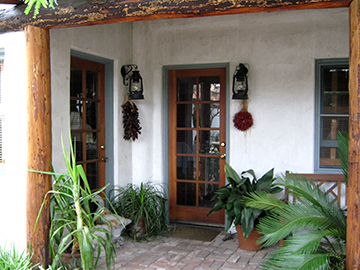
{"x":173,"y":253}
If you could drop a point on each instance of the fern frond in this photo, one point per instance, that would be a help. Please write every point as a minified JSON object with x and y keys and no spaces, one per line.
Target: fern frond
{"x":264,"y":201}
{"x":343,"y":151}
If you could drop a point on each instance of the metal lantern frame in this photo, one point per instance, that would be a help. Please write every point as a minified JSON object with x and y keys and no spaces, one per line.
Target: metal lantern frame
{"x":240,"y":79}
{"x":131,"y":75}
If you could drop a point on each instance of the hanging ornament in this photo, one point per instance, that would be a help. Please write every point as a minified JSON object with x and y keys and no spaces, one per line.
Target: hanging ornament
{"x":131,"y":121}
{"x":243,"y":119}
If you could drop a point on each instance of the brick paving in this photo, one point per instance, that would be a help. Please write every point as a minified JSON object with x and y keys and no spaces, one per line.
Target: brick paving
{"x":174,"y":253}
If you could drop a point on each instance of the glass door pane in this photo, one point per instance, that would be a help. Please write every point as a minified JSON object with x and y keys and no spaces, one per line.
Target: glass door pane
{"x":86,"y":88}
{"x":198,"y":139}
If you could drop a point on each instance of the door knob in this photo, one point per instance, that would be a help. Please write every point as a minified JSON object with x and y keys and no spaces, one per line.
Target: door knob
{"x":222,"y":156}
{"x":104,"y":159}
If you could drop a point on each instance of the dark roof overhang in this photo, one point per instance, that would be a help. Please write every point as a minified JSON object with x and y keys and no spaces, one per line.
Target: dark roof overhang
{"x":90,"y":12}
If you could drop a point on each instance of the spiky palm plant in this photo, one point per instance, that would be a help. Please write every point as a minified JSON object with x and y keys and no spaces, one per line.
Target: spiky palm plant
{"x":342,"y":139}
{"x":145,"y":205}
{"x":70,"y":200}
{"x":315,"y":227}
{"x":11,"y":259}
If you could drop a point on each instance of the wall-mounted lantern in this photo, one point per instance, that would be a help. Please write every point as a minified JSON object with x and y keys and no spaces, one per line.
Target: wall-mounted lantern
{"x":240,"y":82}
{"x":132,"y":78}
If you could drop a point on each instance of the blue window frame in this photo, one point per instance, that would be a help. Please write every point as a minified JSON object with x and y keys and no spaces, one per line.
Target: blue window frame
{"x":331,"y":110}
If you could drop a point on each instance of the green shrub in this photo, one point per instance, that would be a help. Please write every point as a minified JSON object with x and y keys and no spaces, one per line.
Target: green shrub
{"x":145,"y":205}
{"x":314,"y":227}
{"x":10,"y":259}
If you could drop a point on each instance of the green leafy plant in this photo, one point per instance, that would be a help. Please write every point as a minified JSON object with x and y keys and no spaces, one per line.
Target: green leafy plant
{"x":145,"y":205}
{"x":37,"y":5}
{"x":230,"y":197}
{"x":10,"y":259}
{"x":343,"y":151}
{"x":72,"y":222}
{"x":315,"y":227}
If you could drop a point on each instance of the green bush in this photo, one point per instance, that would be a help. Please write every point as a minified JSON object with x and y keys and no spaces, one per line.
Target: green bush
{"x":145,"y":205}
{"x":314,"y":227}
{"x":10,"y":259}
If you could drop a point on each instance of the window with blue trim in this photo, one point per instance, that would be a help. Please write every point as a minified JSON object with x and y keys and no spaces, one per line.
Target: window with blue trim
{"x":332,"y":110}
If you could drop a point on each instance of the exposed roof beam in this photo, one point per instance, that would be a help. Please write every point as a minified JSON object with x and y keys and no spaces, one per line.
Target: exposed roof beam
{"x":10,"y":1}
{"x":90,"y":12}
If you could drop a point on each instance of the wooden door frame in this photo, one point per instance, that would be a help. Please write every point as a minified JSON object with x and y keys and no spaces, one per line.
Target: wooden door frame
{"x":110,"y":143}
{"x":165,"y":112}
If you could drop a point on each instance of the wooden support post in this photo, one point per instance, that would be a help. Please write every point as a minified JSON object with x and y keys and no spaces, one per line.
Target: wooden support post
{"x":39,"y":140}
{"x":353,"y":191}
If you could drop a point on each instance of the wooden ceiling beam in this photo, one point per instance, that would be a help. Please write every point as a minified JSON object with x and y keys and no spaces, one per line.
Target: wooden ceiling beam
{"x":91,"y":12}
{"x":10,"y":2}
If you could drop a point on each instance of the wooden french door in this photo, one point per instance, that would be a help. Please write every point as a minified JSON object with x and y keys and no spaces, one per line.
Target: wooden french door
{"x":87,"y":118}
{"x":197,"y":125}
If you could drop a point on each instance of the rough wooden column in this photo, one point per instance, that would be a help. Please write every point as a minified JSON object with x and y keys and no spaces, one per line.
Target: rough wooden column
{"x":39,"y":140}
{"x":353,"y":191}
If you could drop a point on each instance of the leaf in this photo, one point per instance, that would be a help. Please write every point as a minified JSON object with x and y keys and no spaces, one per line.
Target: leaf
{"x":342,"y":139}
{"x":232,"y":176}
{"x":266,"y":181}
{"x":86,"y":248}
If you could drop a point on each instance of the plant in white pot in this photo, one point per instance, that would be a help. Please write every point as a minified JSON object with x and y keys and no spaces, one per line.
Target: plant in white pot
{"x":230,"y":197}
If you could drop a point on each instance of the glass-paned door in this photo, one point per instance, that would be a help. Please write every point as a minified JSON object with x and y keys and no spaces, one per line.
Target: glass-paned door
{"x":197,"y":101}
{"x":87,"y":118}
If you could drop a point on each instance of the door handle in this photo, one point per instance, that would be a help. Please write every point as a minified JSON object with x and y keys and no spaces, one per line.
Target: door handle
{"x":222,"y":156}
{"x":104,"y":159}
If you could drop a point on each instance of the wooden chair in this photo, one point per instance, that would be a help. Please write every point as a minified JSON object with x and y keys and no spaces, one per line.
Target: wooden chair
{"x":332,"y":183}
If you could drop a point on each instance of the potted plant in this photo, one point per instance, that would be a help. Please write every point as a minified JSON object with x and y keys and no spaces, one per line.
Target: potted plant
{"x":314,"y":227}
{"x":230,"y":197}
{"x":73,"y":227}
{"x":145,"y":205}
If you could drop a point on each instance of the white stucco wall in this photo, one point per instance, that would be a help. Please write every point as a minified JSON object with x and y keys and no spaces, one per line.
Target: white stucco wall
{"x":14,"y":170}
{"x":111,"y":42}
{"x":281,"y":49}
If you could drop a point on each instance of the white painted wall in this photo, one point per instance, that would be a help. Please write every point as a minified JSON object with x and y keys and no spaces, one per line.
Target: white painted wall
{"x":281,"y":49}
{"x":107,"y":41}
{"x":13,"y":106}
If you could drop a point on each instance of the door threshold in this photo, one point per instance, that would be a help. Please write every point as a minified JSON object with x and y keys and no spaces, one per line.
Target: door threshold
{"x":212,"y":226}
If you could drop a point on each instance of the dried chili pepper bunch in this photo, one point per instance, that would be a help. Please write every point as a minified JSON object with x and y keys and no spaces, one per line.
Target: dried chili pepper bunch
{"x":131,"y":120}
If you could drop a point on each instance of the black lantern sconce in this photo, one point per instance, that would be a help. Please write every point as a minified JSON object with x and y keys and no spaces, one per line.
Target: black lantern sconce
{"x":240,"y":83}
{"x":132,"y":78}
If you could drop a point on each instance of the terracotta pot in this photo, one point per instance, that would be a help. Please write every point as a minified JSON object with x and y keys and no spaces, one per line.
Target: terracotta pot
{"x":68,"y":258}
{"x":250,"y":242}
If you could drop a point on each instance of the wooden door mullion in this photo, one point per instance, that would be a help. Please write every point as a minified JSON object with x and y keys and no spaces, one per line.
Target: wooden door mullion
{"x":83,"y":117}
{"x":197,"y":140}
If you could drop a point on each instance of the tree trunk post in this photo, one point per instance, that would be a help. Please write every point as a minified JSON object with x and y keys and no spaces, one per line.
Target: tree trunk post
{"x":39,"y":141}
{"x":353,"y":191}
